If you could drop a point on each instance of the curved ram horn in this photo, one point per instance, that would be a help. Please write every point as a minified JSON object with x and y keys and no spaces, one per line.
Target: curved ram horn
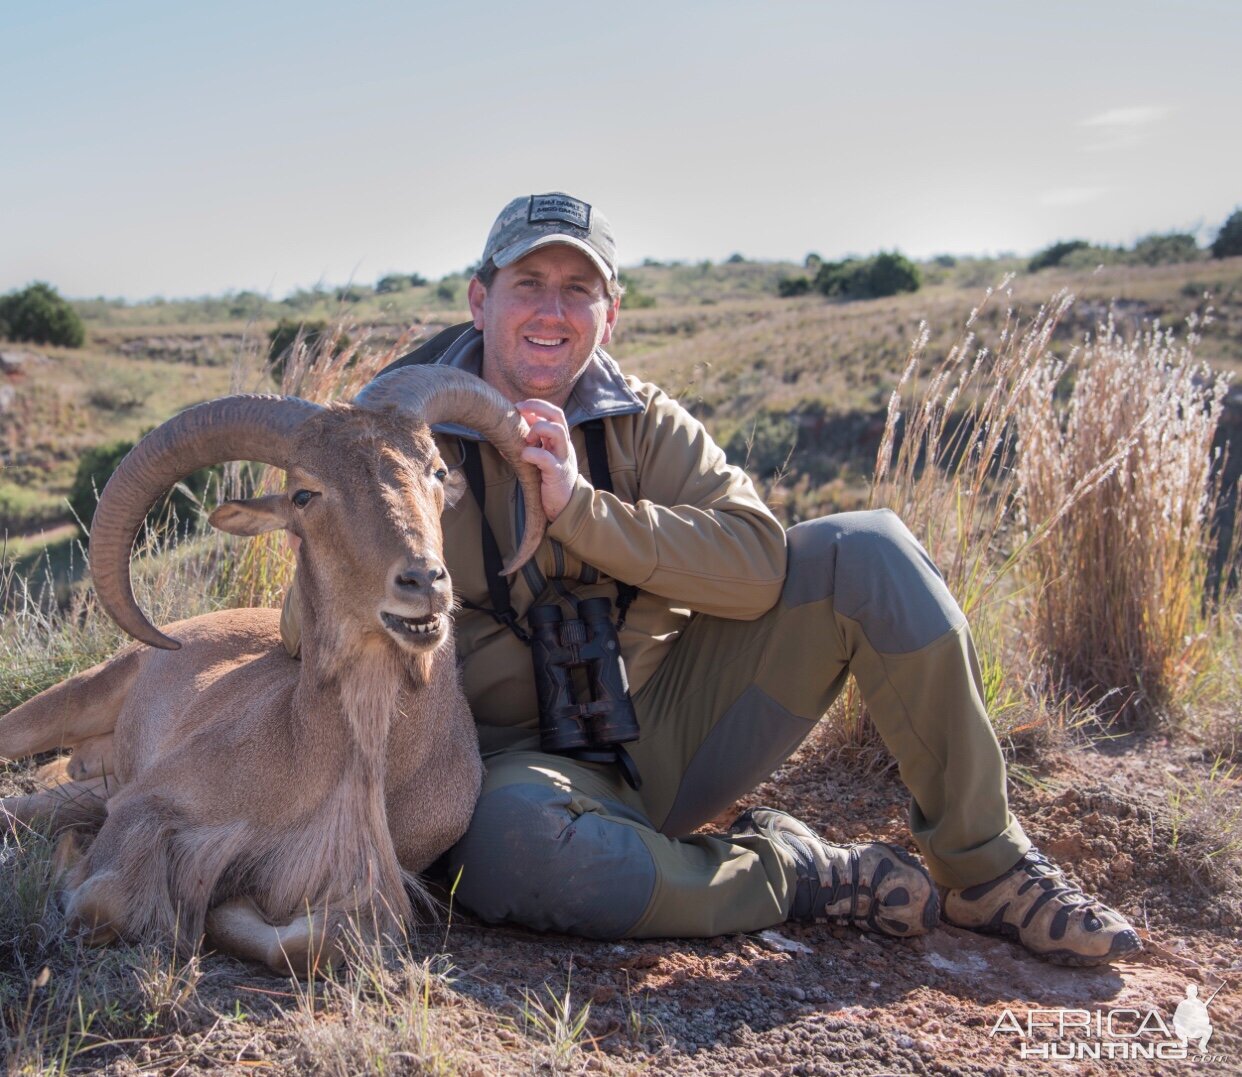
{"x":435,"y":394}
{"x":231,"y":428}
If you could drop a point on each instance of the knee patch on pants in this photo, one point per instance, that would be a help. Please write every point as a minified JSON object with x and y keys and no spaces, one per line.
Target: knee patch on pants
{"x":876,"y":573}
{"x":552,"y":860}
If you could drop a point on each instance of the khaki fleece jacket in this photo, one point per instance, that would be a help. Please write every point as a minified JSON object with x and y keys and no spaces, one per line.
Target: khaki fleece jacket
{"x":684,"y":526}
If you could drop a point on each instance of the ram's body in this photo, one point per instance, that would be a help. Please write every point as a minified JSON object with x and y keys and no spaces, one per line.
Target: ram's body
{"x":244,"y":793}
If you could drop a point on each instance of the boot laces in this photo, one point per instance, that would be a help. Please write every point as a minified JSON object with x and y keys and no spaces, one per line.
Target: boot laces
{"x":1038,"y":868}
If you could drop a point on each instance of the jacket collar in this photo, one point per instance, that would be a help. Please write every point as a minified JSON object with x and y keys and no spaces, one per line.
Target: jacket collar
{"x":600,"y":392}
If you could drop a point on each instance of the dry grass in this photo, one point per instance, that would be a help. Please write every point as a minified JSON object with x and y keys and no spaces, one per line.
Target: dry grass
{"x":1117,"y":588}
{"x":1205,"y":816}
{"x":1067,"y":503}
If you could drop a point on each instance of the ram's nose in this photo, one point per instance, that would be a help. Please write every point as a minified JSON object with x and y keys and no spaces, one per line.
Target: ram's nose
{"x":421,"y":577}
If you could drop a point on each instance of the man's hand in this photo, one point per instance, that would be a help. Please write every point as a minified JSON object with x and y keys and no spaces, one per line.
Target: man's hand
{"x":548,"y":447}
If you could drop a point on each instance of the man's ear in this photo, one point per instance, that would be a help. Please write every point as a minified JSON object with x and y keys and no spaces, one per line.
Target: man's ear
{"x":475,"y":294}
{"x":252,"y":517}
{"x":610,"y":320}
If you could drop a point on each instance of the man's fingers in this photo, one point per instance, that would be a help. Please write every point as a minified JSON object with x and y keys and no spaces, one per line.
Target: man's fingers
{"x":541,"y":409}
{"x":542,"y":459}
{"x":549,"y":436}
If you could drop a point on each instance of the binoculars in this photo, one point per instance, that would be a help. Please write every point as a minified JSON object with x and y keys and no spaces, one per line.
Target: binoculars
{"x":585,"y":709}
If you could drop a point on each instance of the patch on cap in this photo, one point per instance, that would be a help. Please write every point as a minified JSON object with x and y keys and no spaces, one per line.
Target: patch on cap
{"x":559,"y":207}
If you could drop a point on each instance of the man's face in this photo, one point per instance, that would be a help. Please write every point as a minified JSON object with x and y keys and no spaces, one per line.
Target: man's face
{"x":541,"y":319}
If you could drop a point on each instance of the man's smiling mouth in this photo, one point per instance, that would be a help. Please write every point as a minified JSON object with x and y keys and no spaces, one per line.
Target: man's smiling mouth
{"x":547,"y":342}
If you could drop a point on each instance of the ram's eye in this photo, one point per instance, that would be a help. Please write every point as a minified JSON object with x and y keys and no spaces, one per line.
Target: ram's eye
{"x":302,"y":498}
{"x":441,"y":473}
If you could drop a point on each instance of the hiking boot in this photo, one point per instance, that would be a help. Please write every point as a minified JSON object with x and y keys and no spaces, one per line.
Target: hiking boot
{"x":1034,"y":904}
{"x":870,"y":885}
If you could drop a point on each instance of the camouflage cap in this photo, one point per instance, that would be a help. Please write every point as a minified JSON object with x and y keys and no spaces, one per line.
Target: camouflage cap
{"x":538,"y":220}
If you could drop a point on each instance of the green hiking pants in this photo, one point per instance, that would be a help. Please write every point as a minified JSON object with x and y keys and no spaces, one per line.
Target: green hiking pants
{"x":565,"y":846}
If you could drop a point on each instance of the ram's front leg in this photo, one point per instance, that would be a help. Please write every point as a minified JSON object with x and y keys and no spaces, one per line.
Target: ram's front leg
{"x":307,"y":946}
{"x":67,"y":804}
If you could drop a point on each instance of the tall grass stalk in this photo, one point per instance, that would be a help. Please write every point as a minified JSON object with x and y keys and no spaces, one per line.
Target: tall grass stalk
{"x":1117,"y":588}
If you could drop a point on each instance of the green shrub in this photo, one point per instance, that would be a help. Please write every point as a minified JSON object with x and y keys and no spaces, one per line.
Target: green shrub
{"x":634,"y":298}
{"x":393,"y":282}
{"x":95,"y":468}
{"x":448,"y":289}
{"x":40,"y":315}
{"x":868,"y":278}
{"x":787,"y":287}
{"x":1056,"y":254}
{"x":891,"y":273}
{"x":1228,"y":241}
{"x":1172,"y":248}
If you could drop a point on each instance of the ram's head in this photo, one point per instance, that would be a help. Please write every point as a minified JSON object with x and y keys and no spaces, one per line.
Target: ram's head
{"x":365,"y":489}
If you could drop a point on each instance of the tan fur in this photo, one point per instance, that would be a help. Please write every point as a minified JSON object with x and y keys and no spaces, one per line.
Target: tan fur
{"x":235,"y":777}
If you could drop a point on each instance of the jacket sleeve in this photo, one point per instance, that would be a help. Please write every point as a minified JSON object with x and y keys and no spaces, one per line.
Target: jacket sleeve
{"x":699,"y":534}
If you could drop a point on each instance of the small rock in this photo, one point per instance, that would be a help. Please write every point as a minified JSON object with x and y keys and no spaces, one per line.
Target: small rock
{"x":14,"y":362}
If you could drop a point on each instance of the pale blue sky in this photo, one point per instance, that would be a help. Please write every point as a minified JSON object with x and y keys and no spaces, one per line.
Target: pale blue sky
{"x":180,"y":149}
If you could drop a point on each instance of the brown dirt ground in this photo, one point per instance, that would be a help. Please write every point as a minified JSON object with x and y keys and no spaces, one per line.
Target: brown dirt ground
{"x":838,"y":1001}
{"x":812,"y":1000}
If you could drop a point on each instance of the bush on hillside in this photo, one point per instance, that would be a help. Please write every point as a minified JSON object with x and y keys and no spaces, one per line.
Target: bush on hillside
{"x":787,"y":287}
{"x":394,"y":282}
{"x":1056,"y":254}
{"x":38,"y":314}
{"x":449,"y":289}
{"x":1172,"y":248}
{"x":1228,"y":241}
{"x":868,"y":278}
{"x":632,"y":296}
{"x":95,"y":468}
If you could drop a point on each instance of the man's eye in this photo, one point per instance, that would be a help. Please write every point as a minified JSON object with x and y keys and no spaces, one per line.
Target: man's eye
{"x":302,"y":498}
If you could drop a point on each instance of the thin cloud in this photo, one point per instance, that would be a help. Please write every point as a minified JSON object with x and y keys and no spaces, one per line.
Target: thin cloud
{"x":1136,"y":116}
{"x":1071,"y":196}
{"x":1121,"y":128}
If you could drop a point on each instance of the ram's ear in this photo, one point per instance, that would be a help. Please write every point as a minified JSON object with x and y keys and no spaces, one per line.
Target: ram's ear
{"x":252,"y":517}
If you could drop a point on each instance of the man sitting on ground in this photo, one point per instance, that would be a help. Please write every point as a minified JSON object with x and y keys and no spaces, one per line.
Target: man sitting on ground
{"x":736,"y":637}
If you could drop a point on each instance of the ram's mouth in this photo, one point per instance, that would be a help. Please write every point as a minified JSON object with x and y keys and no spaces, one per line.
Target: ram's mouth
{"x":425,"y":629}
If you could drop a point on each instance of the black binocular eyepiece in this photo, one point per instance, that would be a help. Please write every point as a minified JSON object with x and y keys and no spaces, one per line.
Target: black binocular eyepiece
{"x":591,"y":721}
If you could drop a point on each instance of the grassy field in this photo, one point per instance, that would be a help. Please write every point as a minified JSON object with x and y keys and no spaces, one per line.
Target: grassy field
{"x":954,"y":391}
